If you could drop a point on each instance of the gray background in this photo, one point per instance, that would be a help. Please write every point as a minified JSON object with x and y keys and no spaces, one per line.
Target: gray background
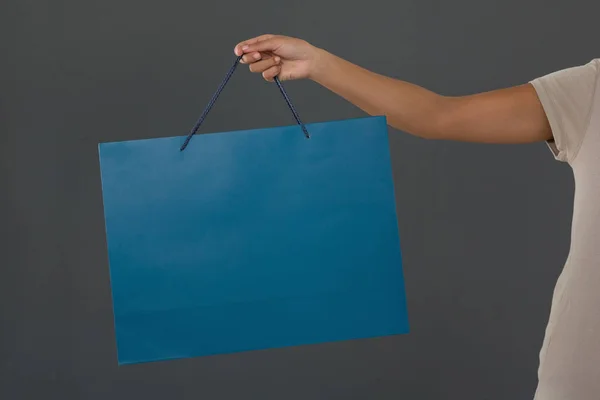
{"x":485,"y":229}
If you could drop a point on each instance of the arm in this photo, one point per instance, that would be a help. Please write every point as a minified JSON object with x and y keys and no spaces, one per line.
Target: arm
{"x":512,"y":115}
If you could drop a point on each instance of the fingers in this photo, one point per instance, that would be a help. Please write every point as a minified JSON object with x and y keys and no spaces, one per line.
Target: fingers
{"x":258,"y":52}
{"x":238,"y":48}
{"x":270,"y":45}
{"x":263,"y":65}
{"x":252,"y":57}
{"x":271,"y":73}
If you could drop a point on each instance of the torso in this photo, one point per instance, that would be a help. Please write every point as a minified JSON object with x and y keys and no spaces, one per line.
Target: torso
{"x":570,"y":356}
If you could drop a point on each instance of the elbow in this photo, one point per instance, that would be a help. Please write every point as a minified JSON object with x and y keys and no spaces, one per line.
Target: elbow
{"x":431,"y":121}
{"x":439,"y":119}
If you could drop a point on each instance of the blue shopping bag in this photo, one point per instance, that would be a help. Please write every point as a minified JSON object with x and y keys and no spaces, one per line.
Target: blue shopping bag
{"x":252,"y":239}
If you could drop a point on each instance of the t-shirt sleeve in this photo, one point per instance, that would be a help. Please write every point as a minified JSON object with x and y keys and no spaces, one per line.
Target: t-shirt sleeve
{"x":567,"y":97}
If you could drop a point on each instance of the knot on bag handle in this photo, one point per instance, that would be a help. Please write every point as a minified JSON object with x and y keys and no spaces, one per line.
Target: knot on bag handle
{"x":212,"y":101}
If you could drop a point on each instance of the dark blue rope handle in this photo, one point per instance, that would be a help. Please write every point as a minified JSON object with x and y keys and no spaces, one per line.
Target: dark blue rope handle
{"x":213,"y":100}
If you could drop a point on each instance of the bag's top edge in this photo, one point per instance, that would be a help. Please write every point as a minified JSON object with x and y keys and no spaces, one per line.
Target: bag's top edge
{"x":314,"y":124}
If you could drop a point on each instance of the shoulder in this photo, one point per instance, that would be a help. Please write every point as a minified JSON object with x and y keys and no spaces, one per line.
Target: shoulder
{"x":568,"y":96}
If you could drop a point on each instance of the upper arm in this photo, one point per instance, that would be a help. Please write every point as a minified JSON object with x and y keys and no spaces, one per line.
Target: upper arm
{"x":553,"y":108}
{"x":512,"y":115}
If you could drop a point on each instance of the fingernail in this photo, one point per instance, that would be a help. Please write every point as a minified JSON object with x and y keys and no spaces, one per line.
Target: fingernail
{"x":246,"y":47}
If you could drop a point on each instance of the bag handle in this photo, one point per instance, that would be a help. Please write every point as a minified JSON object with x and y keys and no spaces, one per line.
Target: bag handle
{"x":212,"y":101}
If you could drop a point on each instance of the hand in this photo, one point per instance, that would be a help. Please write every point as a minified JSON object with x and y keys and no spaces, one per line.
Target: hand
{"x":272,"y":55}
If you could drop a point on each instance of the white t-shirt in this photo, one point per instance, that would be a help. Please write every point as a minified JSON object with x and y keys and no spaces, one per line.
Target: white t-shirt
{"x":569,"y":366}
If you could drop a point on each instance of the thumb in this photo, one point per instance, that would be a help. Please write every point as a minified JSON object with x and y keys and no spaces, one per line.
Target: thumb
{"x":268,"y":45}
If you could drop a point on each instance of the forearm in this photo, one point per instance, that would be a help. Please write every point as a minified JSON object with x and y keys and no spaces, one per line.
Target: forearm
{"x":407,"y":107}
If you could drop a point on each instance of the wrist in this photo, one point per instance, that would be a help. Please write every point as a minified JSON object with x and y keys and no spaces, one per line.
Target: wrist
{"x":321,"y":63}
